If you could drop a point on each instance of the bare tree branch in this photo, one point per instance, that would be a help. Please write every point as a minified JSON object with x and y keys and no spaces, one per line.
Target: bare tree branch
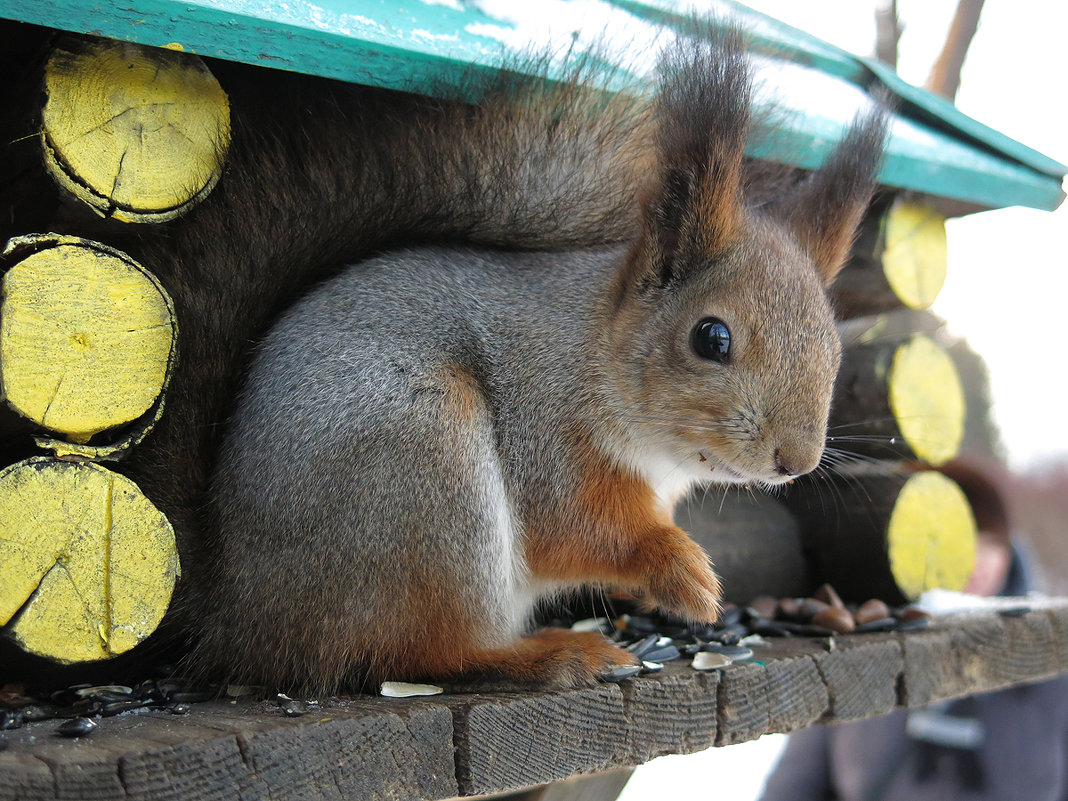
{"x":945,"y":74}
{"x":887,"y":32}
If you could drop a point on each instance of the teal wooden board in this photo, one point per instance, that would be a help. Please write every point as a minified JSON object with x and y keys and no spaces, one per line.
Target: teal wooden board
{"x":427,"y":45}
{"x":777,"y":39}
{"x":813,"y":114}
{"x":397,"y":45}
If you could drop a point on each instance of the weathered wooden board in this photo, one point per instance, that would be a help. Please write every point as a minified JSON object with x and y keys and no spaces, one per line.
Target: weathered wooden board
{"x":980,"y":654}
{"x":363,"y":749}
{"x":510,"y":741}
{"x":479,"y":743}
{"x":674,"y":712}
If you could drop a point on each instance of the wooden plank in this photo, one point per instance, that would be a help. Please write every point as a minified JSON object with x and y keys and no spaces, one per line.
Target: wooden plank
{"x":743,"y":704}
{"x":251,"y":751}
{"x":776,"y":39}
{"x":365,"y":749}
{"x":673,"y":712}
{"x":796,"y":691}
{"x":25,"y":779}
{"x":1058,"y":618}
{"x":427,"y":47}
{"x":396,"y":45}
{"x":935,"y":149}
{"x":483,"y":743}
{"x":979,"y":653}
{"x":90,"y":768}
{"x":861,"y":677}
{"x":784,"y":691}
{"x":514,"y":741}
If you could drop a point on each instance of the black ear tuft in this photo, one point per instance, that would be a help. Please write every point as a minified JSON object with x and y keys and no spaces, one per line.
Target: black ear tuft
{"x":827,"y":207}
{"x":702,"y":114}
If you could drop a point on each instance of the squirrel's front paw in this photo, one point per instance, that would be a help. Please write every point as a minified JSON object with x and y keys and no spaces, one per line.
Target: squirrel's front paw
{"x":684,"y":584}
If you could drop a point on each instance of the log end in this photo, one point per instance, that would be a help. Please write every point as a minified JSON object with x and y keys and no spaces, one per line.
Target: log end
{"x":137,"y":133}
{"x":927,"y":399}
{"x":89,"y":562}
{"x":931,"y":535}
{"x":915,"y":254}
{"x":87,"y":337}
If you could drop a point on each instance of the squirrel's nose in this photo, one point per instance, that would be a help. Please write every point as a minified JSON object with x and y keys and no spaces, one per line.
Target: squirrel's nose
{"x":794,"y":463}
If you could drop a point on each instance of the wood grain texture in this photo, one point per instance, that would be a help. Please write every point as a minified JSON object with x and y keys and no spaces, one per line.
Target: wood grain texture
{"x":981,"y":653}
{"x":514,"y":741}
{"x":673,"y":712}
{"x":88,"y":340}
{"x":861,"y":677}
{"x":482,"y":743}
{"x":138,"y":133}
{"x":743,"y":704}
{"x":364,"y":750}
{"x":797,"y":693}
{"x":89,"y":563}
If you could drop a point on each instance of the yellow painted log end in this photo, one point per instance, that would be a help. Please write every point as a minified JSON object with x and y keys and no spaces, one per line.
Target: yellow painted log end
{"x":914,"y":257}
{"x":927,"y":399}
{"x":138,"y":133}
{"x":87,"y":336}
{"x":89,"y":564}
{"x":931,"y":535}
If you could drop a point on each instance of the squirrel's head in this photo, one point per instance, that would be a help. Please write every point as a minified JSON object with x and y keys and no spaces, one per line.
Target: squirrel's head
{"x":719,"y":321}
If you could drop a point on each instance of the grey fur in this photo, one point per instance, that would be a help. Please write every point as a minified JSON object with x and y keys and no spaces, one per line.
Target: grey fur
{"x":345,"y":458}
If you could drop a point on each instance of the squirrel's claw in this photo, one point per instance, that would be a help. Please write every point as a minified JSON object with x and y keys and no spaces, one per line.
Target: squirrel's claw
{"x":686,"y":585}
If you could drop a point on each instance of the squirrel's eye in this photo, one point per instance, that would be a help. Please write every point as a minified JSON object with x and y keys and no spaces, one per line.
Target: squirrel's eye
{"x":711,"y":340}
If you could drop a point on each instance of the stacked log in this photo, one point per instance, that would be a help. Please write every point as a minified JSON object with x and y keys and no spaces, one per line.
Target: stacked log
{"x":136,"y":133}
{"x":89,"y":563}
{"x":898,"y":397}
{"x":88,"y":343}
{"x":899,"y":260}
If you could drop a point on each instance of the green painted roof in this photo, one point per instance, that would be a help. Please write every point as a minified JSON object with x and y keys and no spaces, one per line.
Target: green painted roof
{"x":420,"y":44}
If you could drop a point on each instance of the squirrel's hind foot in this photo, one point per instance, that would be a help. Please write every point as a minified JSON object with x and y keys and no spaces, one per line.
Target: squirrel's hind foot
{"x":551,"y":658}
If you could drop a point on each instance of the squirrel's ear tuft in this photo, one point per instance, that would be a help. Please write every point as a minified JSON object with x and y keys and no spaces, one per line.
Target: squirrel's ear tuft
{"x":826,"y":208}
{"x":702,"y":116}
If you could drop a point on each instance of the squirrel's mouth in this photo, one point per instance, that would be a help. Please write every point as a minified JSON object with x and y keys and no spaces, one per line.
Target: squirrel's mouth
{"x":718,"y":470}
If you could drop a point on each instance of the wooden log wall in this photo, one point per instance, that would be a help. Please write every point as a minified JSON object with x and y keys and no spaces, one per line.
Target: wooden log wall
{"x":125,"y":135}
{"x":87,"y":335}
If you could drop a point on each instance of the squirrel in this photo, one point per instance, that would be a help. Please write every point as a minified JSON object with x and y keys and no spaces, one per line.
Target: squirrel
{"x":533,"y":323}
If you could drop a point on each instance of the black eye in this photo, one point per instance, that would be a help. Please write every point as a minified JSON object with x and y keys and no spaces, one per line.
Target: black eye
{"x":711,"y":340}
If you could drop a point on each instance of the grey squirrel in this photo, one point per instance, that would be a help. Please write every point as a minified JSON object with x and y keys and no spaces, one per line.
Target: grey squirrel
{"x":428,"y":443}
